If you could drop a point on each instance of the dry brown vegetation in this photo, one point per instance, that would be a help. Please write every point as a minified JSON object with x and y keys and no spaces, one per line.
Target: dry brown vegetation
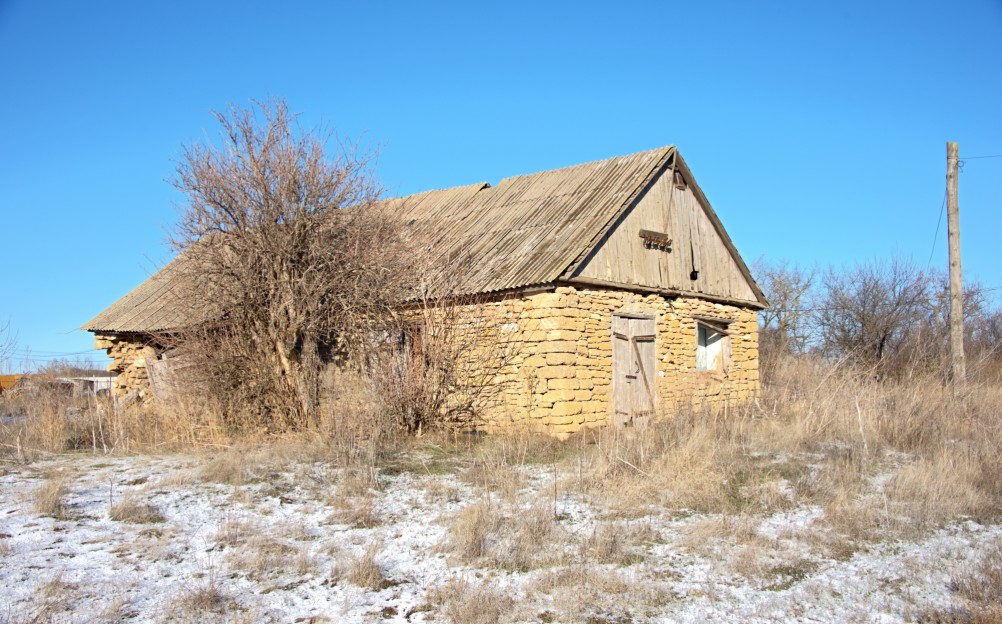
{"x":49,"y":498}
{"x":980,"y":589}
{"x":131,"y":509}
{"x":882,"y":458}
{"x":465,"y":602}
{"x":879,"y":460}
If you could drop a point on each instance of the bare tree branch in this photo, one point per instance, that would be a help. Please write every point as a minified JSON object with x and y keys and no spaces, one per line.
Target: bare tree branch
{"x":289,"y":249}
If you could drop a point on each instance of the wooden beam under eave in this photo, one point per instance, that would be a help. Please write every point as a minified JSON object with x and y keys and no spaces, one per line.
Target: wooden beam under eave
{"x":590,"y":281}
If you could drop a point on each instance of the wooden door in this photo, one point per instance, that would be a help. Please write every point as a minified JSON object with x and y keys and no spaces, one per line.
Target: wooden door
{"x":634,"y":369}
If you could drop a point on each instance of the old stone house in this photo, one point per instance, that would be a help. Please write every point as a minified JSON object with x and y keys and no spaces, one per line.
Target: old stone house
{"x":621,"y":293}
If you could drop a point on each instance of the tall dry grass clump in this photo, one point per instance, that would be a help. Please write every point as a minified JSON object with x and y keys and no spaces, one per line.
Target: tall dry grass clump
{"x":881,"y":457}
{"x":352,"y":428}
{"x":941,"y":454}
{"x":465,"y":602}
{"x":50,"y":498}
{"x":508,"y":537}
{"x":45,"y":421}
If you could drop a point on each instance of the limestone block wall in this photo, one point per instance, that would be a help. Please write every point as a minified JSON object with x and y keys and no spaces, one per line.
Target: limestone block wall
{"x":129,"y":354}
{"x":557,"y":376}
{"x":544,"y":361}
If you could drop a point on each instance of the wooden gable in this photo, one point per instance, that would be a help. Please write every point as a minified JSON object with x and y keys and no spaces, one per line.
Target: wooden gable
{"x":670,"y":240}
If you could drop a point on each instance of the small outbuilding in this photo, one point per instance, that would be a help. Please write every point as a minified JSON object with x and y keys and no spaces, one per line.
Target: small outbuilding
{"x":622,"y":296}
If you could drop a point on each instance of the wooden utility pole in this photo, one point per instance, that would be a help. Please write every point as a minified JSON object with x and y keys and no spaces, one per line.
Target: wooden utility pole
{"x":956,"y":283}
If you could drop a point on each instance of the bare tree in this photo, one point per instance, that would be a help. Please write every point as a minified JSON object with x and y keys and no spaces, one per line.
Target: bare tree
{"x":867,"y":312}
{"x":786,"y":323}
{"x":291,"y":260}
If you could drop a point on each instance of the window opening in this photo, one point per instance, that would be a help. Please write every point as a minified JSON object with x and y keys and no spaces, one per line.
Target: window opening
{"x":711,"y":348}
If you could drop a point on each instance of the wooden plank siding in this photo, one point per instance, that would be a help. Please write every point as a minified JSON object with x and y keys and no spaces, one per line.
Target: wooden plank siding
{"x":696,"y":244}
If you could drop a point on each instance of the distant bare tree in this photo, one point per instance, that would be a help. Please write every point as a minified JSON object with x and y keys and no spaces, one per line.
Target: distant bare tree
{"x":867,"y":311}
{"x":931,"y":340}
{"x":292,"y":262}
{"x":786,"y":323}
{"x":8,"y":343}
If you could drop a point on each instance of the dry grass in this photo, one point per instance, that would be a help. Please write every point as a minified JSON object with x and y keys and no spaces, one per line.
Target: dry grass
{"x":358,"y":512}
{"x":52,"y":598}
{"x":131,"y":509}
{"x":49,"y":498}
{"x":233,"y":530}
{"x":463,"y":602}
{"x":595,"y":594}
{"x":514,"y":537}
{"x":616,"y":543}
{"x":364,"y":571}
{"x":979,"y":589}
{"x":883,"y":459}
{"x":937,"y":489}
{"x":196,"y":603}
{"x":262,"y":557}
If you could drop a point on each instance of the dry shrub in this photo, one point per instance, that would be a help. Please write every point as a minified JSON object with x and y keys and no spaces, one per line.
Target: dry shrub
{"x":49,"y":498}
{"x":463,"y":602}
{"x":131,"y":509}
{"x":448,"y":359}
{"x":354,"y":428}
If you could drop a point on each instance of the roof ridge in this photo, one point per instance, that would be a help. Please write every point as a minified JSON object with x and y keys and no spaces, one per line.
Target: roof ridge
{"x":487,"y":185}
{"x":598,"y":161}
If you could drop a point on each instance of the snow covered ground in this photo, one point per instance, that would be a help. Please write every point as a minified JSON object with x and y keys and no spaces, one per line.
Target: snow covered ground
{"x":300,"y":543}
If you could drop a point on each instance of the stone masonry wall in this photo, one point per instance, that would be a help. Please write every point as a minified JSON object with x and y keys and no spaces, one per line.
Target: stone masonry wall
{"x":558,"y":376}
{"x":129,"y":354}
{"x":545,"y":360}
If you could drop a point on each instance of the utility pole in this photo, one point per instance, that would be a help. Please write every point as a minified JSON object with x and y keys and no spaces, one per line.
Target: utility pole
{"x":956,"y":283}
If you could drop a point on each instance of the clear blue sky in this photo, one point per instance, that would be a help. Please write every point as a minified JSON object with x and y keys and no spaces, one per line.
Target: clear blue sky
{"x":817,"y":130}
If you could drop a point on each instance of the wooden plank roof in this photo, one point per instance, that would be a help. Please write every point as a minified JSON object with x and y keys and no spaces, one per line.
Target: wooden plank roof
{"x":528,"y":230}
